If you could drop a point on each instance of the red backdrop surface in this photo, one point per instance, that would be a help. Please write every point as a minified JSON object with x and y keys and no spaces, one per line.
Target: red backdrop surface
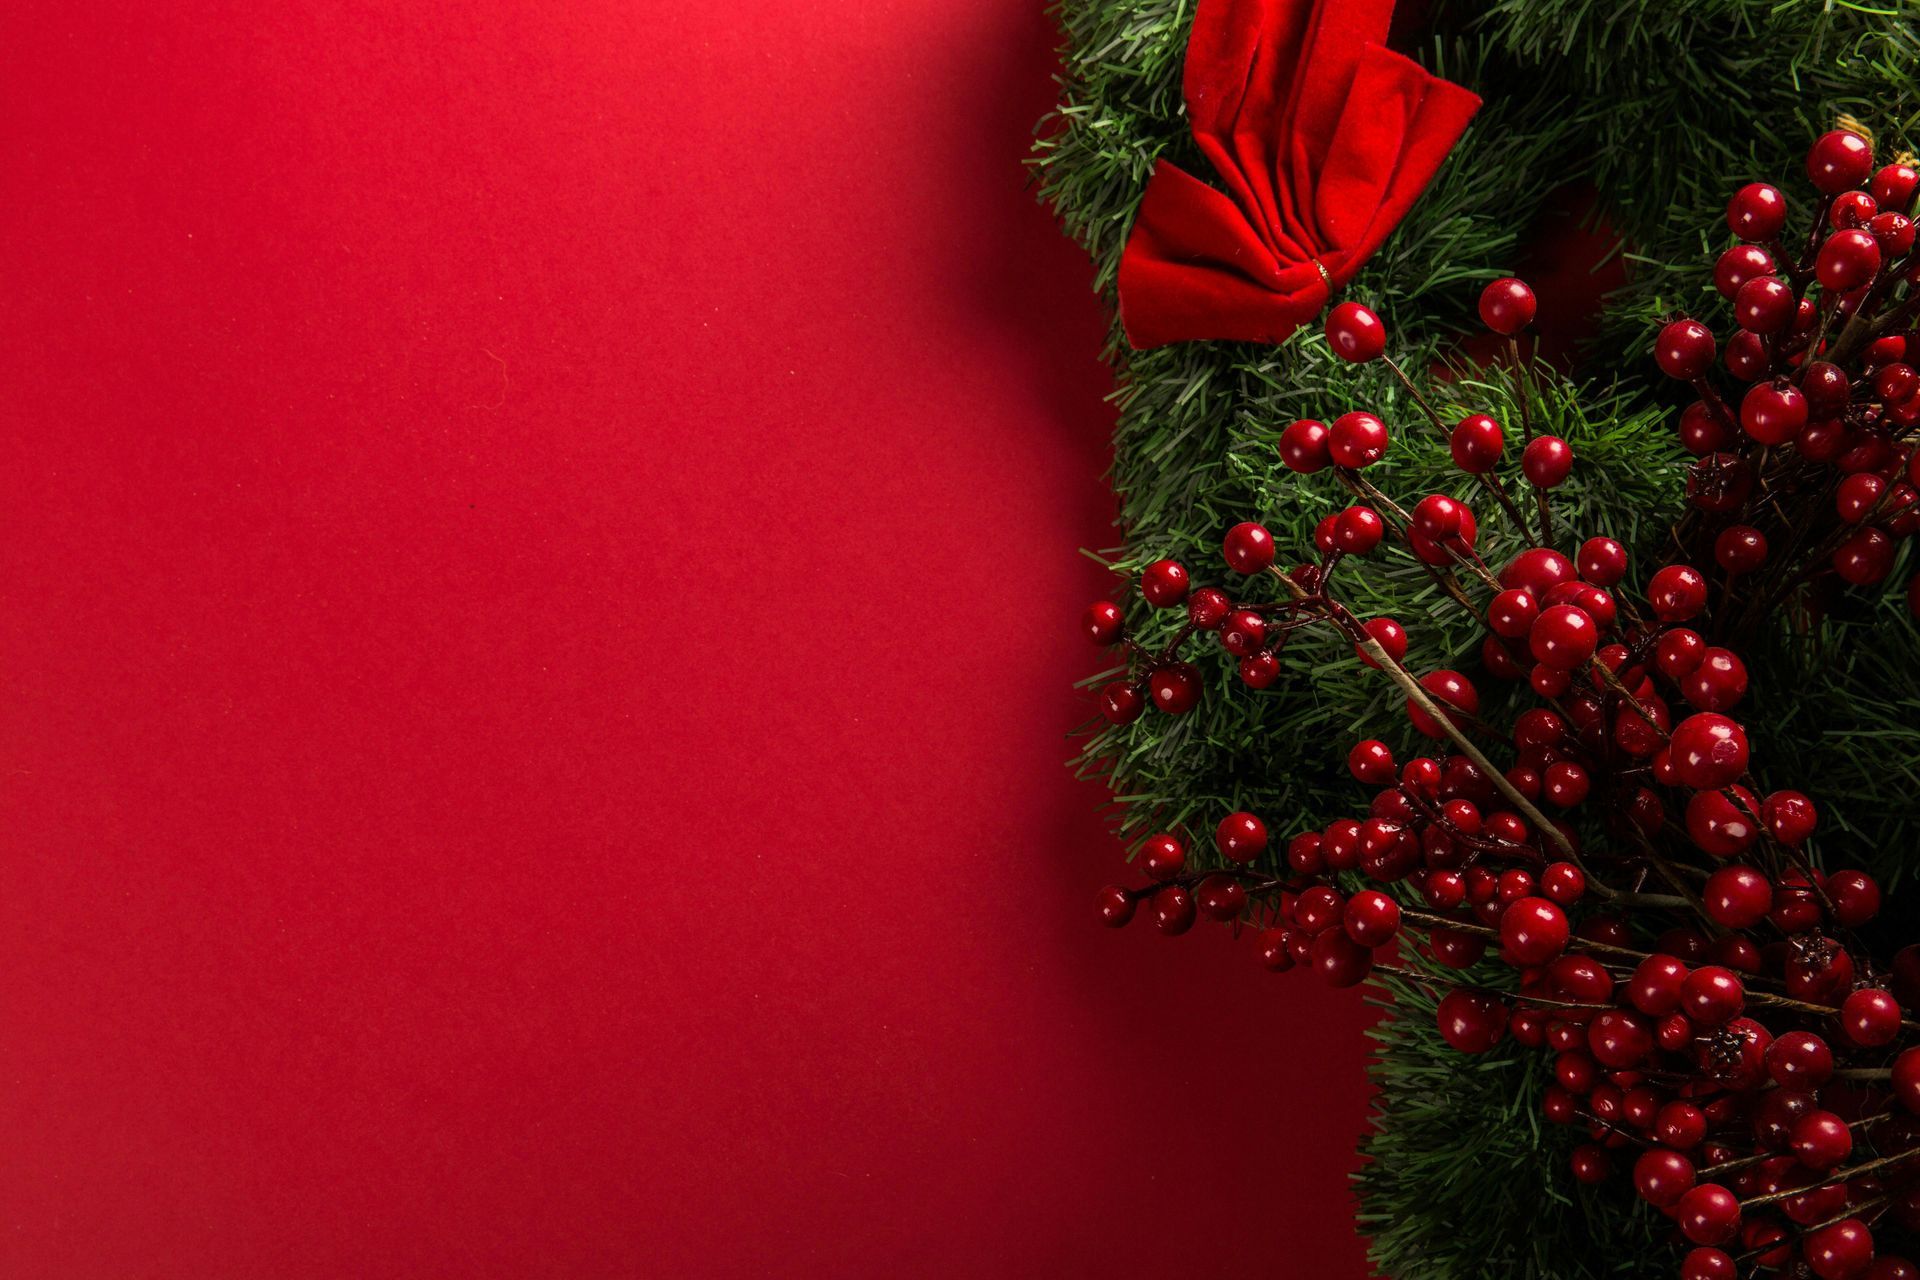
{"x":538,"y":559}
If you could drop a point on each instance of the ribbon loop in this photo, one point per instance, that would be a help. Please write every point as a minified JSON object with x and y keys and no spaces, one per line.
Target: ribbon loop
{"x":1322,"y":139}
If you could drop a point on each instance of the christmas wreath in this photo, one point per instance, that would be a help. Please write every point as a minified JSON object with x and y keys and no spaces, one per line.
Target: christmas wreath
{"x":1571,"y":704}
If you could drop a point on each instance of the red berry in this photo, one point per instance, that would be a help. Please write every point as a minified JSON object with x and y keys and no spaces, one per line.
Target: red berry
{"x":1839,"y":161}
{"x":1243,"y":633}
{"x":1821,"y":1140}
{"x":1709,"y":1214}
{"x":1855,"y":896}
{"x":1893,"y":186}
{"x":1847,"y":261}
{"x":1711,"y":995}
{"x":1790,"y":816}
{"x":1722,"y":826}
{"x":1355,"y":333}
{"x":1764,"y":305}
{"x":1303,"y":446}
{"x":1602,"y":561}
{"x":1678,"y":592}
{"x":1471,"y":1022}
{"x":1799,"y":1060}
{"x":1319,"y":909}
{"x":1591,"y":1164}
{"x":1533,"y":930}
{"x":1740,"y":548}
{"x":1476,"y":444}
{"x":1115,"y":906}
{"x":1164,"y":583}
{"x":1757,"y":212}
{"x":1103,"y":622}
{"x":1208,"y":607}
{"x":1619,"y":1040}
{"x":1386,"y":633}
{"x":1680,"y":1125}
{"x":1894,"y":232}
{"x":1546,"y":461}
{"x":1709,"y":751}
{"x":1512,"y":613}
{"x":1372,"y":918}
{"x":1717,"y":682}
{"x":1737,"y":897}
{"x":1662,"y":1177}
{"x":1121,"y":703}
{"x":1537,"y":570}
{"x":1437,"y":516}
{"x":1163,"y":857}
{"x":1565,"y":784}
{"x":1220,"y":897}
{"x":1865,"y":558}
{"x":1173,"y":911}
{"x":1708,"y":1264}
{"x":1840,"y":1251}
{"x":1851,"y":209}
{"x":1371,"y":762}
{"x":1506,"y":306}
{"x":1563,"y":637}
{"x":1684,"y":350}
{"x":1738,"y":265}
{"x":1870,"y":1017}
{"x":1358,"y":530}
{"x":1449,"y":689}
{"x":1826,"y":387}
{"x":1175,"y":688}
{"x":1678,"y":652}
{"x":1339,"y":960}
{"x":1773,"y":412}
{"x":1248,"y":548}
{"x":1356,"y":440}
{"x":1241,"y":836}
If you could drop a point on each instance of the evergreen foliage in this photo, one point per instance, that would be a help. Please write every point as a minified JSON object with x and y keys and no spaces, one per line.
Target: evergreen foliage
{"x":1664,"y":107}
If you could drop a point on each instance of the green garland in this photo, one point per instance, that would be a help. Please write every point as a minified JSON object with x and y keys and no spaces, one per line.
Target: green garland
{"x":1664,"y":107}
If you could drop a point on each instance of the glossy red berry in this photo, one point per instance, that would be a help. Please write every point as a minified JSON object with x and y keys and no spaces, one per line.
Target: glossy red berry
{"x":1712,"y":994}
{"x":1855,"y":896}
{"x":1371,"y":762}
{"x":1546,"y":461}
{"x":1437,"y":516}
{"x":1709,"y":1214}
{"x":1895,"y":233}
{"x":1677,"y":593}
{"x":1303,"y":446}
{"x":1358,"y":530}
{"x":1511,"y":613}
{"x":1163,"y":857}
{"x":1840,"y":1251}
{"x":1471,"y":1022}
{"x":1684,"y":350}
{"x":1538,"y":570}
{"x":1821,"y":1140}
{"x":1121,"y":703}
{"x":1355,"y":333}
{"x":1533,"y":930}
{"x":1757,"y":213}
{"x":1476,"y":444}
{"x":1723,"y":823}
{"x":1602,"y":561}
{"x":1449,"y":689}
{"x":1709,"y":751}
{"x":1208,"y":607}
{"x":1507,"y":306}
{"x":1790,"y":816}
{"x":1339,"y":960}
{"x":1839,"y":161}
{"x":1103,"y":622}
{"x":1662,"y":1177}
{"x":1799,"y":1060}
{"x":1590,"y":1164}
{"x":1173,"y":910}
{"x":1357,"y":440}
{"x":1563,"y":636}
{"x":1764,"y":305}
{"x":1847,"y":260}
{"x":1243,"y":633}
{"x":1741,"y":263}
{"x":1164,"y":583}
{"x":1386,"y":633}
{"x":1220,"y":897}
{"x":1737,"y":897}
{"x":1565,"y":784}
{"x":1870,"y":1017}
{"x":1248,"y":548}
{"x":1175,"y":688}
{"x":1717,"y":682}
{"x":1240,"y":836}
{"x":1893,"y":186}
{"x":1740,"y":548}
{"x":1866,"y":557}
{"x":1773,"y":412}
{"x":1114,"y":905}
{"x":1371,"y":918}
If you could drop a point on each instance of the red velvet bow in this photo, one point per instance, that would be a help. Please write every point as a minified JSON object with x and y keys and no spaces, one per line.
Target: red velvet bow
{"x":1323,"y":140}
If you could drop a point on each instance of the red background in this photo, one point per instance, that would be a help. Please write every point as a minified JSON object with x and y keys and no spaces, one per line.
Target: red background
{"x":538,"y":551}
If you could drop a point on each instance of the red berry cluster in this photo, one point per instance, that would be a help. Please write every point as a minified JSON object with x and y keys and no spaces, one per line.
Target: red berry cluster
{"x":1717,"y":1025}
{"x":1824,"y":352}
